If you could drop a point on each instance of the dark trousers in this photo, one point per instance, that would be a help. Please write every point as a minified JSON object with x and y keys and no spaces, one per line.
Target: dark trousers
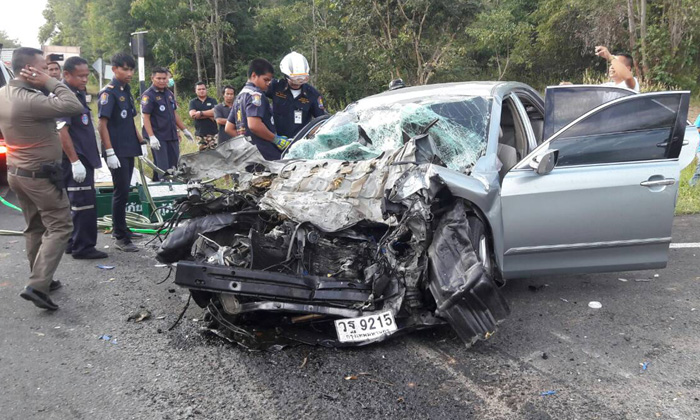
{"x":167,"y":156}
{"x":83,"y":208}
{"x":121,"y":178}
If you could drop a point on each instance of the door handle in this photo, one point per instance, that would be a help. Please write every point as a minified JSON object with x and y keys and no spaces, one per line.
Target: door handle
{"x":658,"y":182}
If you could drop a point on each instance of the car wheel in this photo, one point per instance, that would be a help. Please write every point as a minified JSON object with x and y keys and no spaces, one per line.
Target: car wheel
{"x":482,"y":247}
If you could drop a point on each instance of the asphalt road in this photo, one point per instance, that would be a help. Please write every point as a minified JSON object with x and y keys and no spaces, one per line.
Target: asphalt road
{"x":55,"y":366}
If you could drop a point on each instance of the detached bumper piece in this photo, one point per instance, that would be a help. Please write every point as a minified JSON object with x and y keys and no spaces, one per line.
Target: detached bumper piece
{"x":465,"y":296}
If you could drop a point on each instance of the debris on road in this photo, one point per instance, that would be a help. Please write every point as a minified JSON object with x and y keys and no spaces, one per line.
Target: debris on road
{"x":139,"y":315}
{"x":546,"y":393}
{"x":644,"y":366}
{"x":537,"y":288}
{"x":105,"y":267}
{"x":108,"y":338}
{"x":623,"y":280}
{"x":642,"y":280}
{"x":564,"y":300}
{"x":595,"y":305}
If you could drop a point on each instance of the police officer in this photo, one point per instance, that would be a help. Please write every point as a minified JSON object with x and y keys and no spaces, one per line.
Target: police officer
{"x":160,"y":121}
{"x":27,"y":120}
{"x":251,"y":114}
{"x":80,"y":160}
{"x":122,"y":142}
{"x":294,"y":101}
{"x":54,"y":68}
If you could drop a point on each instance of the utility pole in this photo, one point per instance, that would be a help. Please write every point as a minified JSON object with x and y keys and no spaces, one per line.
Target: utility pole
{"x":138,"y":48}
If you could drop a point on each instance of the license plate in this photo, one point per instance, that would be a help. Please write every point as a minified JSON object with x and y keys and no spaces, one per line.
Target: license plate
{"x":365,"y":328}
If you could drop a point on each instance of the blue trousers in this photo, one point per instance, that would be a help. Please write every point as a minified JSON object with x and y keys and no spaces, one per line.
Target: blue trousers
{"x":83,"y":208}
{"x":167,"y":156}
{"x":121,"y":179}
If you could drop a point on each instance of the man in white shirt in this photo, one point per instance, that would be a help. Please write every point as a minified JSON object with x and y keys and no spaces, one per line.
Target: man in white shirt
{"x":620,"y":71}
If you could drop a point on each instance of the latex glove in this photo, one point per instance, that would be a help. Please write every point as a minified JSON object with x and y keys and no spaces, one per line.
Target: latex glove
{"x":79,"y":172}
{"x":155,"y":143}
{"x":187,"y":134}
{"x":144,"y":150}
{"x":112,"y":160}
{"x":282,"y":142}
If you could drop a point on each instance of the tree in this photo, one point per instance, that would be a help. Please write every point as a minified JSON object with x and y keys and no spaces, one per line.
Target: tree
{"x":8,"y":42}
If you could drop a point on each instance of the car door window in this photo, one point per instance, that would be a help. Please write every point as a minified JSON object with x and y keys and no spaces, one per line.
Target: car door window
{"x":639,"y":128}
{"x":564,"y":104}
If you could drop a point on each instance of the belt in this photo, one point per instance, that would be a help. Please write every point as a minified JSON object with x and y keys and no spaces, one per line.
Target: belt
{"x":26,"y":173}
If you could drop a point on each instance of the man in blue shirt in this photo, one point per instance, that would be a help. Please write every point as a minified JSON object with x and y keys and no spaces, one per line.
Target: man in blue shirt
{"x":294,"y":101}
{"x":160,"y":121}
{"x":122,"y":142}
{"x":251,"y":114}
{"x":696,"y":177}
{"x":80,"y":160}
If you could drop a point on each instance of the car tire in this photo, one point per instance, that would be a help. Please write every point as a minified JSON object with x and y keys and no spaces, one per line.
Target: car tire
{"x":484,"y":250}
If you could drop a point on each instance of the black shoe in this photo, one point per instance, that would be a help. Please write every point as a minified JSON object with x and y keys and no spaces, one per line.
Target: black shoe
{"x":69,"y":251}
{"x":125,"y":245}
{"x":91,"y":254}
{"x":39,"y":299}
{"x":55,"y":285}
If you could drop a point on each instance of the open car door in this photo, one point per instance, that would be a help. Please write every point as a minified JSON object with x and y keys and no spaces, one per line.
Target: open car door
{"x":607,"y":201}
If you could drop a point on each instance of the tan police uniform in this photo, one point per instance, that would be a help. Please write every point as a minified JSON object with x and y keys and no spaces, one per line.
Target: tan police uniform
{"x":27,"y":120}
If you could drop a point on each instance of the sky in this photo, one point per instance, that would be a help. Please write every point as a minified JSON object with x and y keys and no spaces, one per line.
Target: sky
{"x":22,"y":20}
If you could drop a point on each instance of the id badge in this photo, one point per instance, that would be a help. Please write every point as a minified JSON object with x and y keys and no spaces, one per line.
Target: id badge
{"x":297,"y":117}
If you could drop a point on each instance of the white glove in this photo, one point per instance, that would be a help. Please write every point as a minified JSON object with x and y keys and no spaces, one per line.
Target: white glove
{"x":112,"y":160}
{"x":187,"y":134}
{"x":79,"y":172}
{"x":144,"y":150}
{"x":155,"y":144}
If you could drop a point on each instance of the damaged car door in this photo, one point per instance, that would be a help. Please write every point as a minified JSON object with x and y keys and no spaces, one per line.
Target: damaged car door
{"x":606,"y":201}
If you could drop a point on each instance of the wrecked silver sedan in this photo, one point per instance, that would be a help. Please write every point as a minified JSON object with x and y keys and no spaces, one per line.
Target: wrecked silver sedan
{"x":410,"y":208}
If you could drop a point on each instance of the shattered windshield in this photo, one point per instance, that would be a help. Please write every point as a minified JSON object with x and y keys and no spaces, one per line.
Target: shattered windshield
{"x":364,"y":131}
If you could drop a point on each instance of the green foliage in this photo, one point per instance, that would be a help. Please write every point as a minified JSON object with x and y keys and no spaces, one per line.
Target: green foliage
{"x":8,"y":42}
{"x":355,"y":47}
{"x":688,"y":196}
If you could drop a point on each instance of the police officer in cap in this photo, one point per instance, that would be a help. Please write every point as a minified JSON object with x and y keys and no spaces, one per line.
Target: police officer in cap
{"x":160,"y":121}
{"x":294,"y":101}
{"x":251,"y":114}
{"x":122,"y":142}
{"x":80,"y":160}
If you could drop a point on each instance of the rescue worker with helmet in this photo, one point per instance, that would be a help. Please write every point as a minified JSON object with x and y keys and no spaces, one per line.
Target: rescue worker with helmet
{"x":294,"y":101}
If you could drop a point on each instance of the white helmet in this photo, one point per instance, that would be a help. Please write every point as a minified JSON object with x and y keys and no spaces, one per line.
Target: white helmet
{"x":295,"y":67}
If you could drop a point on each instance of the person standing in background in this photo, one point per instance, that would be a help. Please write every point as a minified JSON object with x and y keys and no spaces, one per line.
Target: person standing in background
{"x":202,"y":112}
{"x":222,"y":111}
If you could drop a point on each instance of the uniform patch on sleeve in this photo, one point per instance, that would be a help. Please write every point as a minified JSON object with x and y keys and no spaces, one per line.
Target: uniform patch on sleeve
{"x":144,"y":100}
{"x":104,"y":98}
{"x":320,"y":102}
{"x":257,"y":99}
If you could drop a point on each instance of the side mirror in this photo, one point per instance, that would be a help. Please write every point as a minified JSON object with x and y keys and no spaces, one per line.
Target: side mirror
{"x":544,"y":163}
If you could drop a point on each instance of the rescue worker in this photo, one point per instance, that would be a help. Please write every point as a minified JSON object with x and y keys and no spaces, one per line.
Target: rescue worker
{"x":27,"y":120}
{"x":80,"y":160}
{"x":222,"y":111}
{"x":122,"y":142}
{"x":160,"y":121}
{"x":54,"y":69}
{"x":294,"y":101}
{"x":202,"y":112}
{"x":251,"y":114}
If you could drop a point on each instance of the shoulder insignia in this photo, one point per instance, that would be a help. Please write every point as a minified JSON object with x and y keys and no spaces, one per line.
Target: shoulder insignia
{"x":320,"y":102}
{"x":109,"y":87}
{"x":122,"y":98}
{"x":144,"y":99}
{"x":104,"y":98}
{"x":257,"y":99}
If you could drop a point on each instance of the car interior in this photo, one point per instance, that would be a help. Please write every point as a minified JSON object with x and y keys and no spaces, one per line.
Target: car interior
{"x":512,"y":142}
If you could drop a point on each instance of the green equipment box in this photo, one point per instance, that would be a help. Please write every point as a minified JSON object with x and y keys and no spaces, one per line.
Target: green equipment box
{"x":164,"y":195}
{"x":104,"y":201}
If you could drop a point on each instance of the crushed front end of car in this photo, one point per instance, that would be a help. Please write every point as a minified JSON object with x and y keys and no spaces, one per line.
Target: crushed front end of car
{"x":329,"y":252}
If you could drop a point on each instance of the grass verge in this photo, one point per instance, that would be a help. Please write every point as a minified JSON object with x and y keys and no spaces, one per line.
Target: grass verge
{"x":688,"y":196}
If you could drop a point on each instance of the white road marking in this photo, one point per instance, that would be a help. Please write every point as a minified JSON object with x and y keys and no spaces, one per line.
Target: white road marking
{"x":685,"y":245}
